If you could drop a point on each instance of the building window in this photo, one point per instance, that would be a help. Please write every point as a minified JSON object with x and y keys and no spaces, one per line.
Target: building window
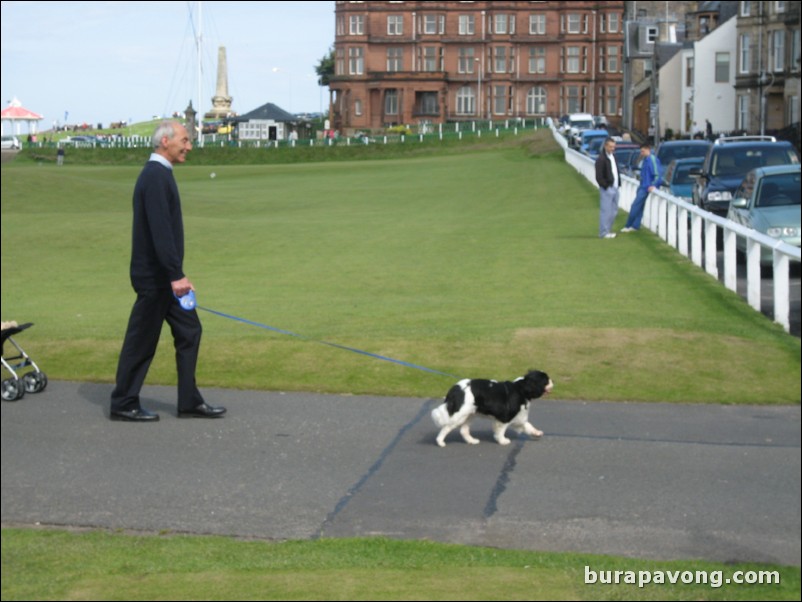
{"x":612,"y":59}
{"x":612,"y":100}
{"x":779,"y":7}
{"x":745,"y":54}
{"x":391,"y":102}
{"x":466,"y":101}
{"x":571,"y":59}
{"x":792,"y":116}
{"x":572,"y":23}
{"x":746,"y":9}
{"x":499,"y":100}
{"x":537,"y":59}
{"x":395,"y":25}
{"x":356,"y":61}
{"x":467,"y":25}
{"x":395,"y":59}
{"x":722,"y":67}
{"x":613,"y":22}
{"x":572,"y":101}
{"x":777,"y":50}
{"x":652,"y":34}
{"x":429,"y":59}
{"x":357,"y":107}
{"x":743,"y":112}
{"x":689,"y":72}
{"x":466,"y":60}
{"x":795,"y":51}
{"x":357,"y":25}
{"x":433,"y":24}
{"x":427,"y":103}
{"x":500,"y":61}
{"x":536,"y":101}
{"x":537,"y":25}
{"x":339,"y":66}
{"x":504,"y":24}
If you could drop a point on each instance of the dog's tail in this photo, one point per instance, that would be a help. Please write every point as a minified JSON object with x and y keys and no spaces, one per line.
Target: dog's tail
{"x":451,"y":404}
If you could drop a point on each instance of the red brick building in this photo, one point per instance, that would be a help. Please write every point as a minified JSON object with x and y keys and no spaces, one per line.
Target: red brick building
{"x":434,"y":62}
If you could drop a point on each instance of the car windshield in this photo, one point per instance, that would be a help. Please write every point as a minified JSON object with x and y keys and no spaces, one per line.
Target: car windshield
{"x":682,"y":173}
{"x":778,"y":190}
{"x":667,"y":153}
{"x":736,"y":161}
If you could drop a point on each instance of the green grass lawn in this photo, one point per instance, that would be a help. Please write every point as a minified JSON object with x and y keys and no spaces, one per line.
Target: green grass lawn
{"x":482,"y":261}
{"x":57,"y":565}
{"x":476,"y":263}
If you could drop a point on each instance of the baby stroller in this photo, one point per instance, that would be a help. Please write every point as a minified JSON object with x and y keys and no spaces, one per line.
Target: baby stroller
{"x":31,"y":382}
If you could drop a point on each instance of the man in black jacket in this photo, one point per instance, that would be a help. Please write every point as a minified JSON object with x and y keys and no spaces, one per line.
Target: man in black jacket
{"x":157,"y":275}
{"x":609,"y":180}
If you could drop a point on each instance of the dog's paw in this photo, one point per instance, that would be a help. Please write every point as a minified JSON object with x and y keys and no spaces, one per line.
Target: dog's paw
{"x":504,"y":441}
{"x":533,"y":432}
{"x":472,"y":441}
{"x":441,"y":443}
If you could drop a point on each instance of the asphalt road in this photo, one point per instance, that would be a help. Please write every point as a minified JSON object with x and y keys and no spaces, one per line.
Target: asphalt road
{"x":640,"y":480}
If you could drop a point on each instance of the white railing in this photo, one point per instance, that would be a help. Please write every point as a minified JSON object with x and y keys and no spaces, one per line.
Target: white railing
{"x":693,"y":232}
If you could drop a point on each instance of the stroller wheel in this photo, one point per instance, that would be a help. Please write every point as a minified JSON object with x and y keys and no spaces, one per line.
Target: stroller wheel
{"x":34,"y":382}
{"x":12,"y":389}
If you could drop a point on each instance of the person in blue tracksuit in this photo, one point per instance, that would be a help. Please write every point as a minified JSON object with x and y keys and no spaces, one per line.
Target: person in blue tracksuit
{"x":651,"y":176}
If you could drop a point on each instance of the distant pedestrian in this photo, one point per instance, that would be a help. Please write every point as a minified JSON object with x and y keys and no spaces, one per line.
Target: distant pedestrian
{"x":609,"y":180}
{"x":60,"y":155}
{"x":650,"y":179}
{"x":708,"y":130}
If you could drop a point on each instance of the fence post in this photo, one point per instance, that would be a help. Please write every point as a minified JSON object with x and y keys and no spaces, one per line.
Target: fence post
{"x":782,"y":290}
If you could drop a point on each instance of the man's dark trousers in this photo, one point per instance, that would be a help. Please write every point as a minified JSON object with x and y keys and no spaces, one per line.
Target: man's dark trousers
{"x":151,"y":309}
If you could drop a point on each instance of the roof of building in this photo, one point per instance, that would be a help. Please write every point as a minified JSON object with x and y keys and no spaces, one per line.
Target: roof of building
{"x":267,"y":112}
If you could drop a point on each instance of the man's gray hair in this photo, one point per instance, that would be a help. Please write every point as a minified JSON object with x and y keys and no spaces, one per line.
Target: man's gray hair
{"x":165,"y":128}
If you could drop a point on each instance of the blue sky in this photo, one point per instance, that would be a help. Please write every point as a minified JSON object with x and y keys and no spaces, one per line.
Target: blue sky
{"x":100,"y":62}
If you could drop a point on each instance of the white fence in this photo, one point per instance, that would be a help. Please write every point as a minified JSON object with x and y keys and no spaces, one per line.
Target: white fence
{"x":693,"y":232}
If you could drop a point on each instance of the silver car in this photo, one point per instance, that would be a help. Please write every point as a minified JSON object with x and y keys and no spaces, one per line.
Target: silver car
{"x":768,"y":200}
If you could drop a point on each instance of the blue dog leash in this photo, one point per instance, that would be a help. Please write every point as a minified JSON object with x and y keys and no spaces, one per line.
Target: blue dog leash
{"x":335,"y":345}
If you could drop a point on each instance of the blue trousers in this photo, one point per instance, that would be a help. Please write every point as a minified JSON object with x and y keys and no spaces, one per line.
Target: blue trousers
{"x":608,"y":201}
{"x":636,"y":211}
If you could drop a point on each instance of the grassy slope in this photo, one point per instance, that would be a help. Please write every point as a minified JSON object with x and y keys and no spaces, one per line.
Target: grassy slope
{"x":482,"y":262}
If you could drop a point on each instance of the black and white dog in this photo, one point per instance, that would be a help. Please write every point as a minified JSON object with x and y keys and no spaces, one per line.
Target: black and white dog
{"x":506,"y":402}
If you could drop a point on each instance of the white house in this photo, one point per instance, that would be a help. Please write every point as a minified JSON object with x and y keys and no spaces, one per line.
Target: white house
{"x":714,"y":78}
{"x":698,"y":83}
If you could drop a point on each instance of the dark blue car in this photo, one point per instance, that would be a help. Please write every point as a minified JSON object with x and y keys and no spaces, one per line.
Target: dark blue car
{"x":727,"y":162}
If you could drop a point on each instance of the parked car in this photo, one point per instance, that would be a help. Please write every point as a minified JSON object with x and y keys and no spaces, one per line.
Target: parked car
{"x":11,"y":143}
{"x":586,"y":136}
{"x":727,"y":162}
{"x":627,"y":154}
{"x":678,"y":180}
{"x":577,"y":122}
{"x":768,"y":201}
{"x":80,"y":141}
{"x":681,"y":149}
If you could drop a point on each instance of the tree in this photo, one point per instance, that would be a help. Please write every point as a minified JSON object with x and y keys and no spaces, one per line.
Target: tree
{"x":325,"y":68}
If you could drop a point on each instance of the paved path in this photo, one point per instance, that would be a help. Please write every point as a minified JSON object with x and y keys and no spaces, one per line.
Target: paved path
{"x":640,"y":480}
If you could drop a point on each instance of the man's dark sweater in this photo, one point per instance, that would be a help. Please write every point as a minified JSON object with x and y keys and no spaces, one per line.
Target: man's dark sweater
{"x":157,"y":253}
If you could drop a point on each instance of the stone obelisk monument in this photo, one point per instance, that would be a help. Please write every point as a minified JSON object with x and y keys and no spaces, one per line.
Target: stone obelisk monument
{"x":221,"y":101}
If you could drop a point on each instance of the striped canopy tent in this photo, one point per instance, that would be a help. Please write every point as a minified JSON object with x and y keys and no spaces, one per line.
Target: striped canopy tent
{"x":16,"y":114}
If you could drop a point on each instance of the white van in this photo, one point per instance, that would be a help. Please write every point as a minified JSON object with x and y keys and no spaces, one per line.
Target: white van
{"x":576,"y":123}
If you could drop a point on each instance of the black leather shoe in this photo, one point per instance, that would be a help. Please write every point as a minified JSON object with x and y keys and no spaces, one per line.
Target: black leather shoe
{"x":204,"y":410}
{"x":135,"y":415}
